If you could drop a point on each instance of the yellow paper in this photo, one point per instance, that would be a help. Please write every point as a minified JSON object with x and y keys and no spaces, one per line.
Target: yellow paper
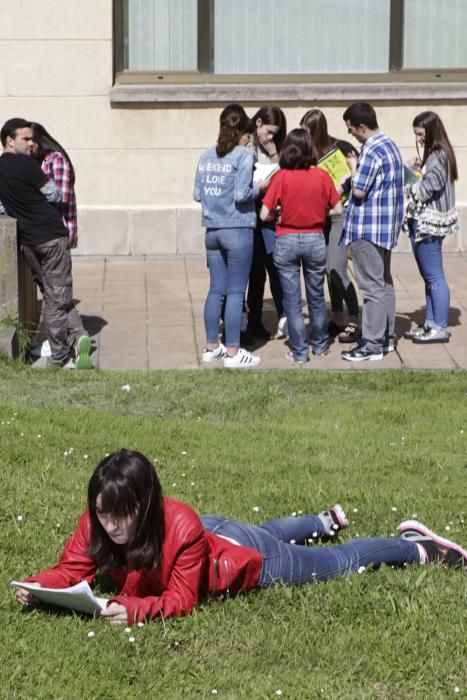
{"x":335,"y":164}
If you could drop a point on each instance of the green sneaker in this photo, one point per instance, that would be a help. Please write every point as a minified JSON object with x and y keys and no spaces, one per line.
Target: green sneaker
{"x":83,"y":352}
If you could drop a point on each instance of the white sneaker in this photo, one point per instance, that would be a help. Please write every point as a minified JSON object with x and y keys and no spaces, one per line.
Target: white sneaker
{"x":217,"y":354}
{"x":282,"y":328}
{"x":242,"y":360}
{"x":42,"y":350}
{"x":70,"y":364}
{"x":45,"y":349}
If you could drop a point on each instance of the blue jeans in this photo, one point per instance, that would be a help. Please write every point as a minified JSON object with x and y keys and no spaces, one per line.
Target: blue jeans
{"x":229,"y":254}
{"x":307,"y":251}
{"x":295,"y":563}
{"x":429,"y":258}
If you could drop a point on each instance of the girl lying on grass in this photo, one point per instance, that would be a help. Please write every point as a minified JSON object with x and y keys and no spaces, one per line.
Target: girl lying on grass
{"x":164,"y":558}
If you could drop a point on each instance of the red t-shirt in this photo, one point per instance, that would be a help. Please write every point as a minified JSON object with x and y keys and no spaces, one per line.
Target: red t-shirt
{"x":304,"y":197}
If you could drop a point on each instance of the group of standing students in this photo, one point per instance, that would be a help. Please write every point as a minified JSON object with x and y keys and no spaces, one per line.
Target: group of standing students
{"x":294,"y":223}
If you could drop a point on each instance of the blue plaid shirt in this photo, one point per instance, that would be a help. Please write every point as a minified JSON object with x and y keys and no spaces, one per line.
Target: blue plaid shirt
{"x":377,"y":217}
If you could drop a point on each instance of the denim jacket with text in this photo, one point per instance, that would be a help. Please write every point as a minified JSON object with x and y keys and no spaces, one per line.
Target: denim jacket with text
{"x":224,"y":186}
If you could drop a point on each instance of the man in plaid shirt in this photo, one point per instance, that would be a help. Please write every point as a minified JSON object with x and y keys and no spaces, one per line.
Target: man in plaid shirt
{"x":372,"y":226}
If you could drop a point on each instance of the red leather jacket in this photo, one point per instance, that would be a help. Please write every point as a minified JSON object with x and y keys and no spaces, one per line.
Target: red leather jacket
{"x":193,"y":564}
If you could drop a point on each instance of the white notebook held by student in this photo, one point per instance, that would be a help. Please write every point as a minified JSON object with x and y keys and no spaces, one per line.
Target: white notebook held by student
{"x":78,"y":597}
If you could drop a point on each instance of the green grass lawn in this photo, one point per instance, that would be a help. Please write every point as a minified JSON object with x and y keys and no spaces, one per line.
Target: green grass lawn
{"x":386,"y":445}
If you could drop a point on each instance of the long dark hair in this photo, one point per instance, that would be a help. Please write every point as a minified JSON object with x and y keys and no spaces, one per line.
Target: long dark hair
{"x":127,"y":484}
{"x":47,"y":144}
{"x":436,"y":140}
{"x":273,"y":116}
{"x":316,"y":124}
{"x":234,"y":122}
{"x":297,"y":152}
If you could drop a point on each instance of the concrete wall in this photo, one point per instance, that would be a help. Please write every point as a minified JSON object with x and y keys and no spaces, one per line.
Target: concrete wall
{"x":135,"y":162}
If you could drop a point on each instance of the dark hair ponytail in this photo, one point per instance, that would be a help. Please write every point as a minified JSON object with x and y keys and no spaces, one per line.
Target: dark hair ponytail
{"x":233,"y":123}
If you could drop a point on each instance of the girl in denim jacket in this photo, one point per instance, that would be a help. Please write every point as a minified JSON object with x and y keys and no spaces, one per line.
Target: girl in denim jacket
{"x":224,"y":186}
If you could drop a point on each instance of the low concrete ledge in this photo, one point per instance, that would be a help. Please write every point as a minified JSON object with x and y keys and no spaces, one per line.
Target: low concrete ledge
{"x":9,"y":342}
{"x":288,"y":92}
{"x":9,"y":292}
{"x":171,"y":231}
{"x":18,"y":291}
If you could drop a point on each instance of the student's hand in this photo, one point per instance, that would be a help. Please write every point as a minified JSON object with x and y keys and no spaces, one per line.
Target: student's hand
{"x":415,"y":163}
{"x":267,"y":144}
{"x":116,"y":614}
{"x":24,"y":597}
{"x":262,"y":185}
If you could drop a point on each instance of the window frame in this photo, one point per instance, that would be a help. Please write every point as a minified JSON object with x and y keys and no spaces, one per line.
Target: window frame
{"x":454,"y":80}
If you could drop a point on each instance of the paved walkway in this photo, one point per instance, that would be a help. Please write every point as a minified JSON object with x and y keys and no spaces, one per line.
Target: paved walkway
{"x":148,"y":314}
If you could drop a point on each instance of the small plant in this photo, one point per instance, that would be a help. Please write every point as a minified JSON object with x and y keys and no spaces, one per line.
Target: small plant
{"x":23,"y":336}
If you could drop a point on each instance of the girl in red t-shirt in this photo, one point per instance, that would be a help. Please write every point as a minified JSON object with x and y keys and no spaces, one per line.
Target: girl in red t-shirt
{"x":303,"y":195}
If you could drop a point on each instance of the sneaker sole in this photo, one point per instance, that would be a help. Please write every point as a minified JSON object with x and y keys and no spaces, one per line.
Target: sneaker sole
{"x":420,"y":341}
{"x":423,"y":530}
{"x":250,"y":366}
{"x":371,"y":358}
{"x":341,"y":516}
{"x":83,"y":361}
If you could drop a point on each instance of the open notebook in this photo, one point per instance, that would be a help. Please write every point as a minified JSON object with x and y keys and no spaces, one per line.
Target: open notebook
{"x":264,"y":171}
{"x":78,"y":597}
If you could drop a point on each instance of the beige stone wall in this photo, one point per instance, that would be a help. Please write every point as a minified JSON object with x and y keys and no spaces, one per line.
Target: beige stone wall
{"x":135,"y":163}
